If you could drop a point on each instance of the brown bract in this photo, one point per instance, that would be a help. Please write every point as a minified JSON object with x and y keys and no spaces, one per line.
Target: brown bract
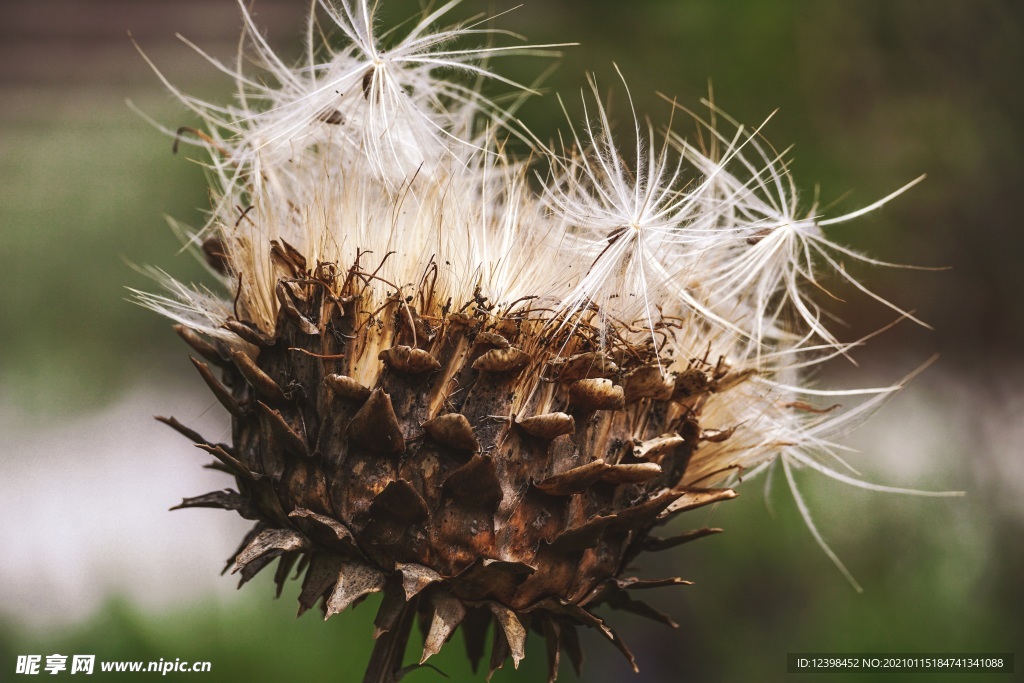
{"x":481,"y":466}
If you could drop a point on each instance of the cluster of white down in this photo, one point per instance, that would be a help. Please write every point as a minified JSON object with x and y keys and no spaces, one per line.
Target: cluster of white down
{"x":379,"y":147}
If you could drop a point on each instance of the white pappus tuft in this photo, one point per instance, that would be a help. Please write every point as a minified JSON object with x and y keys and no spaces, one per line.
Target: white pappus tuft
{"x":379,"y":151}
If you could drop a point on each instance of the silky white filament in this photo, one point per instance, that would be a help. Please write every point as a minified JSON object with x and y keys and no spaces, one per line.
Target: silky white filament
{"x":380,"y":149}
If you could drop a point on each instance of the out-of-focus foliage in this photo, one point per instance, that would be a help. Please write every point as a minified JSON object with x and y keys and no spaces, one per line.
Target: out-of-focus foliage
{"x":79,"y":201}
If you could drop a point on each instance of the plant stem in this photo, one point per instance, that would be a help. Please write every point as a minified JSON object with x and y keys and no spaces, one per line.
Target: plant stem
{"x":388,"y":651}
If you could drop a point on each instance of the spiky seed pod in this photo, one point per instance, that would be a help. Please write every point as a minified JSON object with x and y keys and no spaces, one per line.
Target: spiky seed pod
{"x":467,"y":479}
{"x":475,"y":398}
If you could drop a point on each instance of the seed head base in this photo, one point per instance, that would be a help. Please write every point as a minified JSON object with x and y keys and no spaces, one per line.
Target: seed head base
{"x":472,"y":462}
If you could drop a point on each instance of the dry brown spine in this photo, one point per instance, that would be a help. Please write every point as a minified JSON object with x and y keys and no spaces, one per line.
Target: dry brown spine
{"x":596,"y":394}
{"x":207,"y":350}
{"x":347,"y":388}
{"x":548,"y":425}
{"x":452,"y":430}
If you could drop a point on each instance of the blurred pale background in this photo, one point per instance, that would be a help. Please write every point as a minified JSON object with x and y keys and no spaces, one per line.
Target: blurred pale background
{"x":871,"y":93}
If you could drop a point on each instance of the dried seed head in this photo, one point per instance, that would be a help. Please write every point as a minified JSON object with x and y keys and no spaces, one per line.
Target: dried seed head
{"x":473,"y":397}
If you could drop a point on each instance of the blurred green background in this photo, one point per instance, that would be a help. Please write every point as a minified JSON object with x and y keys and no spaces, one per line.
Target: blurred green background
{"x":871,"y":94}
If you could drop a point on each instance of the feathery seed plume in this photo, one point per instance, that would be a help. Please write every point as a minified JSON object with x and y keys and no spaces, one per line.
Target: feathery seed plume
{"x":478,"y":383}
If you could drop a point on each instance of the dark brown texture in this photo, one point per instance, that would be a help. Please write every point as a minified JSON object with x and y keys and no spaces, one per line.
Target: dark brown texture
{"x":450,"y":461}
